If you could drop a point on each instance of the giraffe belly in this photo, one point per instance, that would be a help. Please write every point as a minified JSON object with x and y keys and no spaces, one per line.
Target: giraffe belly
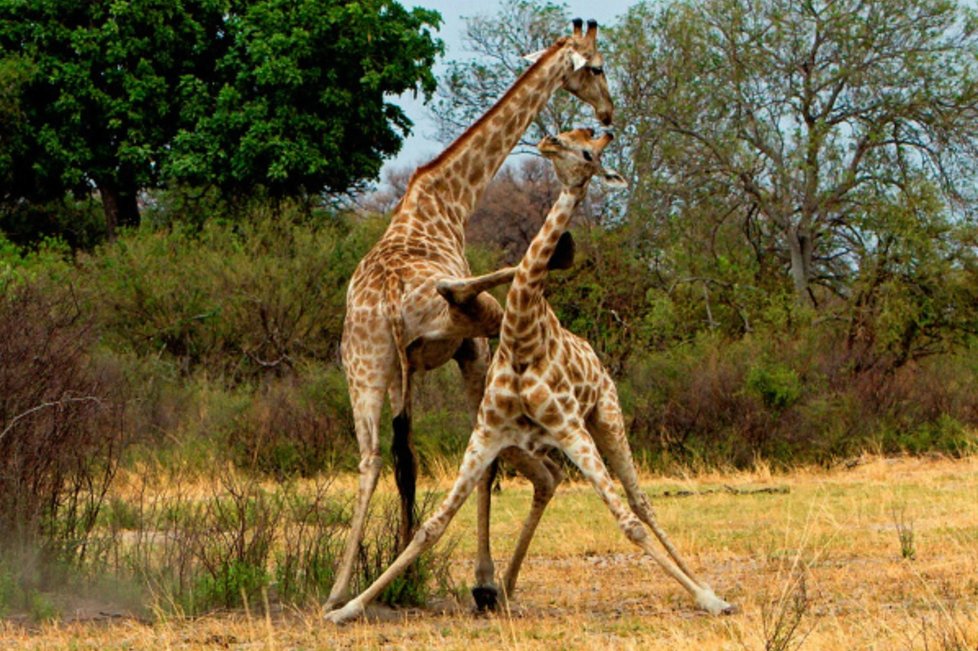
{"x":426,"y":354}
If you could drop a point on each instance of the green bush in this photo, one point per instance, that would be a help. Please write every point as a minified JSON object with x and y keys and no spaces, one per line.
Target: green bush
{"x":237,"y":300}
{"x":777,"y":385}
{"x":946,"y":435}
{"x":296,"y":425}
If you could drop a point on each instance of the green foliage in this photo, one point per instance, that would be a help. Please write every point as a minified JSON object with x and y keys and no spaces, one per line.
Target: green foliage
{"x":123,"y":96}
{"x":789,"y":400}
{"x":946,"y":435}
{"x":238,"y":300}
{"x":776,"y":385}
{"x":299,"y":100}
{"x":231,"y":584}
{"x":756,"y":171}
{"x":97,"y":108}
{"x":48,"y":262}
{"x":296,"y":426}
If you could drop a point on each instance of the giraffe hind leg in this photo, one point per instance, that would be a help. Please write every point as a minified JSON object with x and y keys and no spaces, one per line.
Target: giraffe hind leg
{"x":472,"y":358}
{"x":367,"y":403}
{"x":545,"y":476}
{"x":581,"y":449}
{"x":484,"y":592}
{"x":608,"y":427}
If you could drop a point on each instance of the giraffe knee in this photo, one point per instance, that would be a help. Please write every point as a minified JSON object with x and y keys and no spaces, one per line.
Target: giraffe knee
{"x":634,"y":530}
{"x":429,"y":532}
{"x":371,"y":464}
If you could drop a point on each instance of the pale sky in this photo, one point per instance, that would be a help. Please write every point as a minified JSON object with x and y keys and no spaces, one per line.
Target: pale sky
{"x":421,"y":146}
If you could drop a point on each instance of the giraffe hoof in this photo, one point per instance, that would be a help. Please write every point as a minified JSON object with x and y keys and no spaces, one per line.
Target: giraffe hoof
{"x":486,"y":597}
{"x":344,"y":615}
{"x":713,"y":604}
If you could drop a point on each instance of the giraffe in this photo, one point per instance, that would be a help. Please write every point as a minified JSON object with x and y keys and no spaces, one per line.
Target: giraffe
{"x":546,"y":388}
{"x":396,"y":323}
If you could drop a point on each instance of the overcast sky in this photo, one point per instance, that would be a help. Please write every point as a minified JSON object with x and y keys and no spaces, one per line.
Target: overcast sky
{"x":421,"y":146}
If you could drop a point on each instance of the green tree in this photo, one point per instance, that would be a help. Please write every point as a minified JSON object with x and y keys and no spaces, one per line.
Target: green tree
{"x":794,"y":126}
{"x":124,"y":96}
{"x":98,"y":109}
{"x":300,"y":103}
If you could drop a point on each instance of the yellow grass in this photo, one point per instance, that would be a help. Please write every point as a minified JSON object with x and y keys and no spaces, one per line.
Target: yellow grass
{"x":828,"y":548}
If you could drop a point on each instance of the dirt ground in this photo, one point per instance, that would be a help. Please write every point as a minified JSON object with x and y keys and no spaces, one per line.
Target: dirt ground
{"x":815,"y":559}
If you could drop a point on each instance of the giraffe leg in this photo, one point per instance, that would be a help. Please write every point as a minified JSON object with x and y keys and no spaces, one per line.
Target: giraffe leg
{"x":462,"y":290}
{"x":545,"y":475}
{"x":367,"y":403}
{"x":579,"y":446}
{"x":608,"y":427}
{"x":473,"y":361}
{"x":459,"y":291}
{"x":478,"y":456}
{"x":485,"y":592}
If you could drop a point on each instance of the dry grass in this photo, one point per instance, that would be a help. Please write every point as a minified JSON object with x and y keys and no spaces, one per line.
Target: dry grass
{"x":824,"y":559}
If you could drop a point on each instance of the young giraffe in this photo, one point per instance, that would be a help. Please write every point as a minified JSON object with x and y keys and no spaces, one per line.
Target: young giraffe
{"x":396,"y":323}
{"x":547,"y":388}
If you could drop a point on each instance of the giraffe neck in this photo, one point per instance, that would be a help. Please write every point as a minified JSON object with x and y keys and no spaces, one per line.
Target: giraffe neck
{"x":459,"y":176}
{"x":526,"y":306}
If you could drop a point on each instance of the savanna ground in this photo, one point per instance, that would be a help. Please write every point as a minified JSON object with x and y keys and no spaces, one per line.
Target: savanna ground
{"x":880,"y":554}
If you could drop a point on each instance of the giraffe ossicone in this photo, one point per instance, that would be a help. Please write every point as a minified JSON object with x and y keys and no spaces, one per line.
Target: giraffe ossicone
{"x":546,"y":388}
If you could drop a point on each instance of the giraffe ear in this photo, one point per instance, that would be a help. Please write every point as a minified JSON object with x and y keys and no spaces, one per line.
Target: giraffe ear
{"x":613,"y":179}
{"x":579,"y":61}
{"x":532,"y":58}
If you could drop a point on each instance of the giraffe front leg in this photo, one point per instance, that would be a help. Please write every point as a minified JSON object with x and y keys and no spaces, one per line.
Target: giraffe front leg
{"x":478,"y":455}
{"x":459,"y":291}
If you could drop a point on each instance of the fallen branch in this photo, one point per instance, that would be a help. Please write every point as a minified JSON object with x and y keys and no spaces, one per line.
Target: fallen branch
{"x":779,"y":490}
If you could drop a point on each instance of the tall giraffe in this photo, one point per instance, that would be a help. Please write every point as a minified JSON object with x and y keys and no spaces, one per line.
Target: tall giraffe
{"x":547,"y":388}
{"x":396,"y":322}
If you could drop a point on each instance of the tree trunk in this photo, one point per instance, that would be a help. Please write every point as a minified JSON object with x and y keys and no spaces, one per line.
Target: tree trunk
{"x":120,"y":207}
{"x":800,"y":247}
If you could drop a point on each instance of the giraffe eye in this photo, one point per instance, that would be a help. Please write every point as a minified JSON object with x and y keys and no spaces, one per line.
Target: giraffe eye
{"x":587,"y":155}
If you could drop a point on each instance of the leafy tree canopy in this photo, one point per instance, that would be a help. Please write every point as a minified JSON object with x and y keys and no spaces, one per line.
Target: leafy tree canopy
{"x":801,"y":121}
{"x":127,"y":95}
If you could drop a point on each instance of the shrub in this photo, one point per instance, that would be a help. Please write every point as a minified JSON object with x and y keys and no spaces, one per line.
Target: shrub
{"x":241,"y":301}
{"x":62,"y":422}
{"x":296,"y":425}
{"x":775,"y":384}
{"x":429,"y":575}
{"x":792,"y":398}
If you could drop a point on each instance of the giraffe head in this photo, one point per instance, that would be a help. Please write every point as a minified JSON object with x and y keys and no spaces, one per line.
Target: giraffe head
{"x":576,"y":157}
{"x":586,"y":80}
